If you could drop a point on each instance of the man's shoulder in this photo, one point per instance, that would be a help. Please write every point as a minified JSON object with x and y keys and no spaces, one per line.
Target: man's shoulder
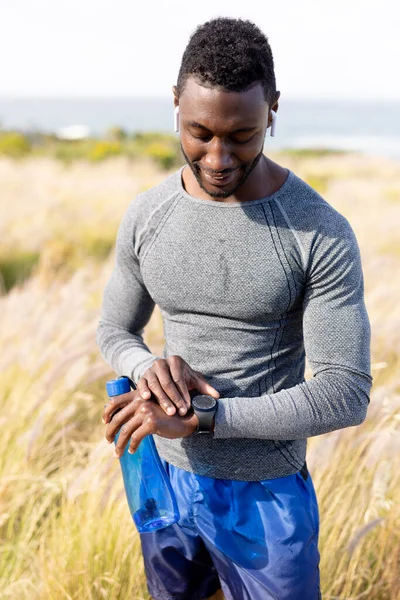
{"x":308,"y":210}
{"x":316,"y":226}
{"x":152,"y":200}
{"x":146,"y":211}
{"x":157,"y":194}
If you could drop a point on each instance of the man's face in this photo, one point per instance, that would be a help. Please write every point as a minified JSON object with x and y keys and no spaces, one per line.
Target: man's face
{"x":222,"y":135}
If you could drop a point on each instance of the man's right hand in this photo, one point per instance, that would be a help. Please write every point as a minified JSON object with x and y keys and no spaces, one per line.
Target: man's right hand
{"x":169,"y":381}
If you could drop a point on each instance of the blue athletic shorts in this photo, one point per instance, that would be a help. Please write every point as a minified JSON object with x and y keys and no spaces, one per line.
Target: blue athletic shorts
{"x":257,"y":540}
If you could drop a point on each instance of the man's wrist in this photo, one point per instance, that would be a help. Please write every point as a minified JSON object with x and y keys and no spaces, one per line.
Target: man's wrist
{"x":192,"y":421}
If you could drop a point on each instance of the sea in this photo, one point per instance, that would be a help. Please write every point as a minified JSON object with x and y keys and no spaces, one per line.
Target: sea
{"x":366,"y":127}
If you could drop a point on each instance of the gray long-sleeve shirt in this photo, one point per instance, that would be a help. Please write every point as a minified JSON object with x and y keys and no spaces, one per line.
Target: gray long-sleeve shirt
{"x":246,"y":291}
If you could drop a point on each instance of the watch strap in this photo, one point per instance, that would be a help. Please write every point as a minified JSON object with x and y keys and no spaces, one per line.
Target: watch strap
{"x":206,"y":416}
{"x":206,"y":421}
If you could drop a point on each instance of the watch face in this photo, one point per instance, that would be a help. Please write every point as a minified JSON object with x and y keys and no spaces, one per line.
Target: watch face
{"x":204,"y":402}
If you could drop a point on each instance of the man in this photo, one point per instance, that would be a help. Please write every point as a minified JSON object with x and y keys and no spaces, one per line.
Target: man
{"x":252,"y":271}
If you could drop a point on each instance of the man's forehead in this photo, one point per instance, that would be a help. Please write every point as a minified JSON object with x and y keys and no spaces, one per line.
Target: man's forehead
{"x":204,"y":98}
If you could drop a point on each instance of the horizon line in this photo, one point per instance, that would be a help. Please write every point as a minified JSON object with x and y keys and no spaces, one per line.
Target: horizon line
{"x":290,"y":98}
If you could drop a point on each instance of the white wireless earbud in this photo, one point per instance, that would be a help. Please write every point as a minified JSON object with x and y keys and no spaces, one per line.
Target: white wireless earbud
{"x":273,"y":124}
{"x":176,"y":119}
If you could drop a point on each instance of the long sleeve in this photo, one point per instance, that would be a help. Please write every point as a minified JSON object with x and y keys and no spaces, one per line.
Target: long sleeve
{"x":336,"y":334}
{"x":126,"y":308}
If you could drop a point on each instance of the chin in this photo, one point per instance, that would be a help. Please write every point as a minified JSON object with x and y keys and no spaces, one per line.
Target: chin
{"x":221,"y":194}
{"x":216,"y":192}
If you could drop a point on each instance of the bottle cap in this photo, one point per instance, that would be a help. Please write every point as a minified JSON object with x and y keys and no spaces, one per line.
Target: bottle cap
{"x":115,"y":387}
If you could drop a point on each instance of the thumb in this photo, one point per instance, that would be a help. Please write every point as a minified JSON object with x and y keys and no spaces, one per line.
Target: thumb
{"x":206,"y":388}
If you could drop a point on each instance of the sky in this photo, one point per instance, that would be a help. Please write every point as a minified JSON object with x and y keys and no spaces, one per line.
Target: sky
{"x":323,"y":49}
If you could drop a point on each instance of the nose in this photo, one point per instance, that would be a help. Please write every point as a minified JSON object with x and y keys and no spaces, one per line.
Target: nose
{"x":218,"y":157}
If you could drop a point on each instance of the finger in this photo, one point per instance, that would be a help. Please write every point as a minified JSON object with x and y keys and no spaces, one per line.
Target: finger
{"x":165,"y":378}
{"x":180,"y":382}
{"x":120,"y":418}
{"x":118,"y":402}
{"x":143,"y":389}
{"x":138,"y":436}
{"x":204,"y":387}
{"x":142,"y":424}
{"x":185,"y":392}
{"x":125,"y":433}
{"x":159,"y":394}
{"x":115,"y":403}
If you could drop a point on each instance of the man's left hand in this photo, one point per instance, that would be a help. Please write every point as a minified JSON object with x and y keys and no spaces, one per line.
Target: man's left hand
{"x":143,"y":417}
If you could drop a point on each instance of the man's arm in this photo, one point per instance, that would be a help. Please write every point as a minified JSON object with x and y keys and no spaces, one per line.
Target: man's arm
{"x":337,"y":343}
{"x":126,"y":309}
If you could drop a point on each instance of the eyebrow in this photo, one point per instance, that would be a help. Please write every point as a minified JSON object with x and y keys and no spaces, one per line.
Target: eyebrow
{"x":199,"y":125}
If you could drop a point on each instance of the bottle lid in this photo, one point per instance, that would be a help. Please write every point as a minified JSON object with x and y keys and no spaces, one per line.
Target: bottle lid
{"x":115,"y":387}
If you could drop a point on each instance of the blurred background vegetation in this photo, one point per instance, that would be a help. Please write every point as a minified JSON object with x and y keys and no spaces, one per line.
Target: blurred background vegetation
{"x":162,"y":148}
{"x":66,"y":252}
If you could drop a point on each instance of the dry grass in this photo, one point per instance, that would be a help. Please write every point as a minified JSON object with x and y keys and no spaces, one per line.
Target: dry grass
{"x":65,"y":528}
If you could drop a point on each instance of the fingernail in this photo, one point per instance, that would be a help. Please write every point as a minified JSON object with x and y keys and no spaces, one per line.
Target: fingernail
{"x":103,"y":421}
{"x":145,"y":394}
{"x":182,"y":411}
{"x":170,"y":410}
{"x":116,"y":454}
{"x":131,"y":451}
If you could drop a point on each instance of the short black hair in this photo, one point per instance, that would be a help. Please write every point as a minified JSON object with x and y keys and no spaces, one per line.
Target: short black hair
{"x":233,"y":54}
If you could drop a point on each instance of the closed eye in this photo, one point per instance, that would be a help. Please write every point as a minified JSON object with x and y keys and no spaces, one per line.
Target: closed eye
{"x":208,"y":138}
{"x":243,"y":142}
{"x":202,"y":139}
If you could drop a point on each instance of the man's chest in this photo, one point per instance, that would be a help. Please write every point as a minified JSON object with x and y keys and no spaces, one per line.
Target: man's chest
{"x":243,"y":268}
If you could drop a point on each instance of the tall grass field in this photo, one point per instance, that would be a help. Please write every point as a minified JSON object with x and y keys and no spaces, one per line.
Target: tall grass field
{"x":65,"y":528}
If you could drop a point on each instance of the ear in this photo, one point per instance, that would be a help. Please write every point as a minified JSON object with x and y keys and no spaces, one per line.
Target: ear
{"x":175,"y":93}
{"x":275,"y":104}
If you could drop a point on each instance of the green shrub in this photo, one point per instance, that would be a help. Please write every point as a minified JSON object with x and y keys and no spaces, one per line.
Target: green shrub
{"x":312,"y":152}
{"x":96,"y":245}
{"x":14,"y":144}
{"x":162,"y":148}
{"x":145,"y":138}
{"x":69,"y":151}
{"x":162,"y":154}
{"x":15,"y":267}
{"x":103,"y":149}
{"x":117,"y":134}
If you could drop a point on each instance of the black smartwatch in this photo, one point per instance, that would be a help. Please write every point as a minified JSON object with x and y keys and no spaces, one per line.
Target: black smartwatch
{"x":204,"y":408}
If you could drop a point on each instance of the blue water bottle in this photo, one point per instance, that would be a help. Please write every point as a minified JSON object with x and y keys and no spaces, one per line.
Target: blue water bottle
{"x":151,"y":499}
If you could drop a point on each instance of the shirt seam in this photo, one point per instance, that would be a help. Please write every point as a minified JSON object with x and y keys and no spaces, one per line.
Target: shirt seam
{"x":294,"y":233}
{"x":143,"y":230}
{"x":278,"y":338}
{"x":161,"y":225}
{"x":286,"y":258}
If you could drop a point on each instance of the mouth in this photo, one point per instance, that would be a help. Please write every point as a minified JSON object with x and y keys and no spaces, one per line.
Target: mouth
{"x":220,"y":181}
